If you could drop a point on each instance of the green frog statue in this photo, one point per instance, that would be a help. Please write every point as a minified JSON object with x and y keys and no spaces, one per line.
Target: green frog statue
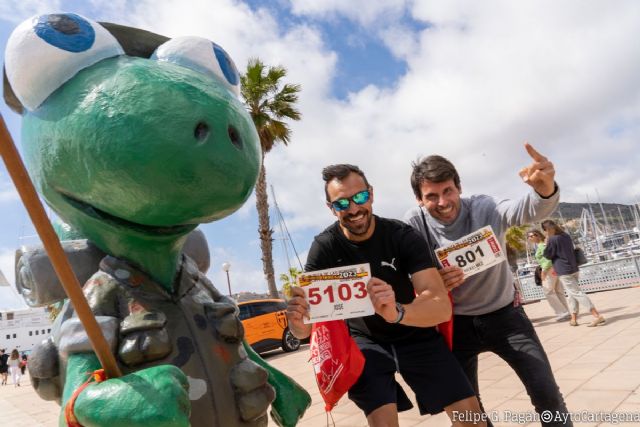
{"x":134,"y":139}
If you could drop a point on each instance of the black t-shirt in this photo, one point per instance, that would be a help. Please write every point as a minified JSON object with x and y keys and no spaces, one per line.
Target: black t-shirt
{"x":394,"y":251}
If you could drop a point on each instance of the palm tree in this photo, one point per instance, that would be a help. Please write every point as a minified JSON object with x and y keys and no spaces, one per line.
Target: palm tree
{"x":516,"y":237}
{"x":268,"y":101}
{"x":516,"y":240}
{"x":54,"y":309}
{"x":289,"y":279}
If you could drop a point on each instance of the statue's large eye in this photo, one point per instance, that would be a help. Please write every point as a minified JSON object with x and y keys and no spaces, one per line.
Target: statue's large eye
{"x":201,"y":55}
{"x":45,"y":51}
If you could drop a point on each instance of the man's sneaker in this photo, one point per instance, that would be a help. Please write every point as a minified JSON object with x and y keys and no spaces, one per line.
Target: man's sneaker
{"x":598,"y":321}
{"x":573,"y":322}
{"x":563,"y":317}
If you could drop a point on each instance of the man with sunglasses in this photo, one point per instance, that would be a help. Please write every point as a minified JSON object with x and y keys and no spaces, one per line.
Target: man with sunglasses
{"x":485,"y":316}
{"x":409,"y":299}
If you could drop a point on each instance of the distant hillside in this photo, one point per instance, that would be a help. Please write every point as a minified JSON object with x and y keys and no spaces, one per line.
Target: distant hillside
{"x":570,"y":212}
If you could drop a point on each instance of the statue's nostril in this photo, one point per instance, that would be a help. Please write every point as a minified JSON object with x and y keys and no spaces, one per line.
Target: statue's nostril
{"x":201,"y":132}
{"x":234,"y":136}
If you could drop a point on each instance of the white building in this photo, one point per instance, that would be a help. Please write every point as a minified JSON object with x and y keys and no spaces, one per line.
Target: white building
{"x":21,"y":327}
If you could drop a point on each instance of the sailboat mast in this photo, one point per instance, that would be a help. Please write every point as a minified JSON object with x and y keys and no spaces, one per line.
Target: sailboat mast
{"x":634,"y":214}
{"x":607,"y":229}
{"x":285,"y":231}
{"x":563,"y":222}
{"x":283,"y":238}
{"x":624,"y":225}
{"x":594,"y":225}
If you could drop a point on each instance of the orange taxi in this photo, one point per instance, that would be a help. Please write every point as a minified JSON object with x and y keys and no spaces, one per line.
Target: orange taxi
{"x":265,"y":325}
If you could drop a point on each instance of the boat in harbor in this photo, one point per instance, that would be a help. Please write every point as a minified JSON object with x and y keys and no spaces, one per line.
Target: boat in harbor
{"x":21,"y":327}
{"x":613,"y":259}
{"x":602,"y":242}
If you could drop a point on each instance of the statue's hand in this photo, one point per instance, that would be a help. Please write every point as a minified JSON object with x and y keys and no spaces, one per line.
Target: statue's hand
{"x":156,"y":396}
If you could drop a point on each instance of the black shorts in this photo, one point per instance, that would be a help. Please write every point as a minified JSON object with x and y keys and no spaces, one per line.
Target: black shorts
{"x":427,"y":366}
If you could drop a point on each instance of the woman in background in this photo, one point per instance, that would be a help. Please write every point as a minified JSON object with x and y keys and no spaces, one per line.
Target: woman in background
{"x":550,"y":284}
{"x":561,"y":252}
{"x":14,"y":367}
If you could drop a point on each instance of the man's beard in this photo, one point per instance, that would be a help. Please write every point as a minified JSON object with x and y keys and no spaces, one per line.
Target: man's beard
{"x":358,"y":230}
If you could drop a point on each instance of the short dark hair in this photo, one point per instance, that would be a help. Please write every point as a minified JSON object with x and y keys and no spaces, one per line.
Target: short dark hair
{"x":432,"y":168}
{"x":340,"y":172}
{"x":549,"y":223}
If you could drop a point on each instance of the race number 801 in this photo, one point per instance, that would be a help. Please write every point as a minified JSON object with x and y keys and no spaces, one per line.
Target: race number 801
{"x":470,"y":257}
{"x":342,"y":292}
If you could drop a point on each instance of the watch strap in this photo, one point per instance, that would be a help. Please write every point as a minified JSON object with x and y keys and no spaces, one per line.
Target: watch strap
{"x":400,"y":309}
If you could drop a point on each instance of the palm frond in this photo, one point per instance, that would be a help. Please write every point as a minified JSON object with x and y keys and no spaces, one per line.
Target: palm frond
{"x":269,"y":101}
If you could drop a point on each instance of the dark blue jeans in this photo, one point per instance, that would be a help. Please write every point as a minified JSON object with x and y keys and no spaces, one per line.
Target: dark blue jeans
{"x":508,"y":332}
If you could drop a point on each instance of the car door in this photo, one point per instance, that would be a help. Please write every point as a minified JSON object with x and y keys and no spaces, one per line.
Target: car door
{"x":251,"y":331}
{"x":264,"y":320}
{"x":281,"y":314}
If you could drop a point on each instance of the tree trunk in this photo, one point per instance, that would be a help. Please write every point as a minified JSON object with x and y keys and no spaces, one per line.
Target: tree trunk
{"x":265,"y":232}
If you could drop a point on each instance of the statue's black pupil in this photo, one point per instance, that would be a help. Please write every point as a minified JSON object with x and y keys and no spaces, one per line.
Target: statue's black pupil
{"x":63,"y":24}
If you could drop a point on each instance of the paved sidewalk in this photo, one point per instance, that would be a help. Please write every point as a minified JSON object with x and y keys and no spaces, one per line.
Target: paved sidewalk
{"x":598,"y":370}
{"x":21,"y":406}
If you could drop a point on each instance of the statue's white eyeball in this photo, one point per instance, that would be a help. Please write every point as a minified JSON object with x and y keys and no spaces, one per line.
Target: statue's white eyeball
{"x":47,"y":50}
{"x":201,"y":55}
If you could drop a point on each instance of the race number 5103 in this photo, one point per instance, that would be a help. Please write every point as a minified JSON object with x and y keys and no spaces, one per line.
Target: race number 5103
{"x":342,"y":292}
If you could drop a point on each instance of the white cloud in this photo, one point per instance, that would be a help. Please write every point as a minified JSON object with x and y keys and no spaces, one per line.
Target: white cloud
{"x":249,"y":206}
{"x":8,"y":193}
{"x":7,"y":264}
{"x":365,"y":12}
{"x":17,"y":11}
{"x":401,"y":41}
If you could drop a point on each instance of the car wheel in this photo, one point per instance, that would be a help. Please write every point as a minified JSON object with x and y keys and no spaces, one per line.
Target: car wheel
{"x":289,"y":341}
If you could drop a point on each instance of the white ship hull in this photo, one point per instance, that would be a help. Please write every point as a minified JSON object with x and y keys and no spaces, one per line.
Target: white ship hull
{"x":23,"y":329}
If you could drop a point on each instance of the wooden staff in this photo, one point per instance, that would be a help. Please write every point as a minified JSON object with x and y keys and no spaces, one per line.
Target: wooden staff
{"x":51,"y":243}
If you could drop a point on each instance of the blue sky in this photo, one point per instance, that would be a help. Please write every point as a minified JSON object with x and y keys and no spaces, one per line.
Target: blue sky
{"x":386,"y":81}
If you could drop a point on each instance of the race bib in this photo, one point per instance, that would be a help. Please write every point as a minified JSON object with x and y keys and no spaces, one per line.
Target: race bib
{"x":473,"y":253}
{"x":337,"y":293}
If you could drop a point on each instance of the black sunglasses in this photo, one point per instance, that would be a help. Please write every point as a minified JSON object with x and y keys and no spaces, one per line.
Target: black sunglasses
{"x":358,"y":198}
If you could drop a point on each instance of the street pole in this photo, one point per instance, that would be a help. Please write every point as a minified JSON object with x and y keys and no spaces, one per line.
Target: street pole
{"x":226,"y":267}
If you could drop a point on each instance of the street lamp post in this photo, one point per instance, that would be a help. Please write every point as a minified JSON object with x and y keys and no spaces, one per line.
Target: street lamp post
{"x":226,"y":267}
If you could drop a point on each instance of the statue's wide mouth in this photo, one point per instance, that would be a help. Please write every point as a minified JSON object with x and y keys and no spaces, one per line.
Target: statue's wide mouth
{"x":103,"y":216}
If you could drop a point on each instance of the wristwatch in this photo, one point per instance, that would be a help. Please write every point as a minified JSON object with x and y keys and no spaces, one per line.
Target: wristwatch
{"x":400,"y":309}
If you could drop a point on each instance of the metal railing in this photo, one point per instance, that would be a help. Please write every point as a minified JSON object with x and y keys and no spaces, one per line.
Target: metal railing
{"x":601,"y":276}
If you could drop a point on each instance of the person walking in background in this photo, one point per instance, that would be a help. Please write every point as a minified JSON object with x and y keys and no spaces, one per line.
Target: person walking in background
{"x":550,"y":284}
{"x":14,"y":367}
{"x":23,"y":363}
{"x":561,"y":252}
{"x":4,"y":367}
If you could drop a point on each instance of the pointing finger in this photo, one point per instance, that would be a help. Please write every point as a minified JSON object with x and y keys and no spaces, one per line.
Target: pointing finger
{"x":524,"y":174}
{"x":533,"y":153}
